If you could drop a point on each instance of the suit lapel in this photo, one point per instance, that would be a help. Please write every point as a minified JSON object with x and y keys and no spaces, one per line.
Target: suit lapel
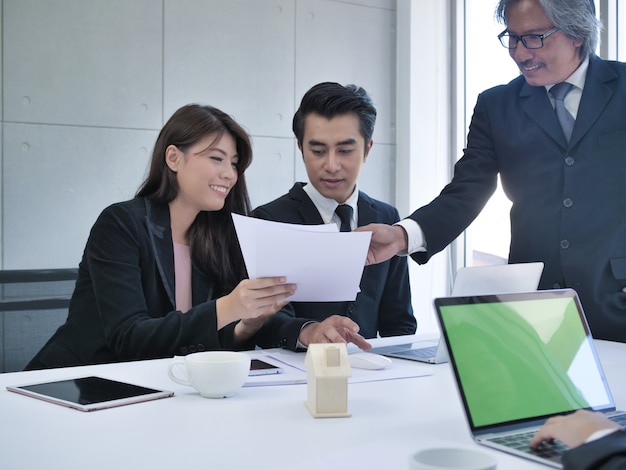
{"x":596,"y":95}
{"x":306,"y":208}
{"x":367,"y":212}
{"x":536,"y":104}
{"x":158,"y":222}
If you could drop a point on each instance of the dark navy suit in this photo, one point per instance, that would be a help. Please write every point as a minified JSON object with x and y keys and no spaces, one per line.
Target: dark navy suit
{"x":569,"y":200}
{"x":384,"y":304}
{"x":607,"y":453}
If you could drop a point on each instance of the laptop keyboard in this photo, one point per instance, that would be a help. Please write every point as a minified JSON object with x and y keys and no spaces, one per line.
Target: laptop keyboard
{"x":421,"y":352}
{"x":619,"y":418}
{"x":547,"y":450}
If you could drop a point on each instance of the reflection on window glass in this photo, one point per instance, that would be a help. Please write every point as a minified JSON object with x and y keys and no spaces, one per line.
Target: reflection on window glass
{"x":488,"y":65}
{"x":621,"y":34}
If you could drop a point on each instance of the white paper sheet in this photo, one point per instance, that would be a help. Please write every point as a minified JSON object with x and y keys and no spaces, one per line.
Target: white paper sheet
{"x":325,"y":264}
{"x":294,"y":370}
{"x":398,"y":369}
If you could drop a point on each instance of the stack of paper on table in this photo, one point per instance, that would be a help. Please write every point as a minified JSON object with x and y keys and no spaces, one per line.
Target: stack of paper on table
{"x":294,"y":369}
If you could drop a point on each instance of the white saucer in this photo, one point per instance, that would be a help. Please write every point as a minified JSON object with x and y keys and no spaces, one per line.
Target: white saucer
{"x":451,"y":458}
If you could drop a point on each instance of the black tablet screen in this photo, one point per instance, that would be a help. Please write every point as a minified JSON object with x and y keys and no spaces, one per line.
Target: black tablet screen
{"x":89,"y":390}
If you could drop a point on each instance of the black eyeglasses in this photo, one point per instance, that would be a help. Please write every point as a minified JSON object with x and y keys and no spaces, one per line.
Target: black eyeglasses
{"x":530,"y":41}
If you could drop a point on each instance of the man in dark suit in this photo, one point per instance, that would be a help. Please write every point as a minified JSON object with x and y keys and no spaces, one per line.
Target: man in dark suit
{"x":595,"y":441}
{"x":567,"y":190}
{"x":334,"y":126}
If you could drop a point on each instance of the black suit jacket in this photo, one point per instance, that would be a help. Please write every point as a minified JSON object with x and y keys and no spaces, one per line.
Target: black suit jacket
{"x":607,"y":453}
{"x":123,"y":306}
{"x":384,"y":304}
{"x":569,"y":200}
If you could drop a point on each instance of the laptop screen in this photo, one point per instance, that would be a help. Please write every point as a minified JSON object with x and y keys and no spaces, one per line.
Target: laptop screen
{"x":518,"y":357}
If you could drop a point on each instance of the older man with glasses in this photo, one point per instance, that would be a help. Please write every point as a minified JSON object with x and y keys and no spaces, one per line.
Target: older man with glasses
{"x":556,"y":137}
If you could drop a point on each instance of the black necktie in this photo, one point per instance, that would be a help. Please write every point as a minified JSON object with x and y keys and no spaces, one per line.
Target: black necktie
{"x":344,"y":211}
{"x":559,"y":91}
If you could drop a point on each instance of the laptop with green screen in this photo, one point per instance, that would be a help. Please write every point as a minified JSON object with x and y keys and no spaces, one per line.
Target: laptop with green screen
{"x":519,"y":359}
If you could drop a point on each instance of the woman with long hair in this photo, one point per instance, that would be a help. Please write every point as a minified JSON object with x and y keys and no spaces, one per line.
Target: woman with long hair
{"x":162,"y":274}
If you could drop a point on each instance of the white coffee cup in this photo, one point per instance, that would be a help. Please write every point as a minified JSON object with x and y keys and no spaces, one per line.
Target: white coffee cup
{"x":451,"y":458}
{"x":215,"y":374}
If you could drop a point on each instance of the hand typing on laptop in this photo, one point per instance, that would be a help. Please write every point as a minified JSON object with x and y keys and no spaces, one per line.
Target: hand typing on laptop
{"x":596,"y":440}
{"x":499,"y":346}
{"x":574,"y":429}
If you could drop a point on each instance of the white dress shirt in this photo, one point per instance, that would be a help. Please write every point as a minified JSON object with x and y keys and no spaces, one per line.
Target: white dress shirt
{"x":326,"y":207}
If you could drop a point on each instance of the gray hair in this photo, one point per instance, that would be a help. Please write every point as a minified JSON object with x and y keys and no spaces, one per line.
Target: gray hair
{"x":576,"y":18}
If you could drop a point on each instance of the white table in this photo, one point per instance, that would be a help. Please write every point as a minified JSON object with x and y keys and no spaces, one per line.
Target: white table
{"x":261,"y":427}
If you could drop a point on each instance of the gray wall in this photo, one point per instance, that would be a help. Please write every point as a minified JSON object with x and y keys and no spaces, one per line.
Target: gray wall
{"x":86,"y":86}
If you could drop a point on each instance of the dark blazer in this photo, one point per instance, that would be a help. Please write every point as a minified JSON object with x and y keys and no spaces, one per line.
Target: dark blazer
{"x":384,"y":304}
{"x":569,"y":200}
{"x":123,"y":306}
{"x":607,"y":453}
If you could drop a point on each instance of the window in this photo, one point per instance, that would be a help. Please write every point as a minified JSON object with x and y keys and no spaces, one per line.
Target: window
{"x":616,"y":13}
{"x":487,"y":64}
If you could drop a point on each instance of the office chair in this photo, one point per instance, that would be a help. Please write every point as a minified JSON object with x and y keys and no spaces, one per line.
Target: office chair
{"x":33,"y":304}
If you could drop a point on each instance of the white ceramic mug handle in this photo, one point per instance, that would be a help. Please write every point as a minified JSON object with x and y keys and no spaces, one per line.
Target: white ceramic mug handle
{"x":173,"y":376}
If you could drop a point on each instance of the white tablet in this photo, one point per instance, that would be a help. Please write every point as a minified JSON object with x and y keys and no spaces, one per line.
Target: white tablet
{"x":89,"y":393}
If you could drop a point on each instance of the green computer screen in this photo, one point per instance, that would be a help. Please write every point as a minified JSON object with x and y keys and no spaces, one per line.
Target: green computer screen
{"x":519,"y":359}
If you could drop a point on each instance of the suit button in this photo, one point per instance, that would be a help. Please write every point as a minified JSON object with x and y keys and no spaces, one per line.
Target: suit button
{"x":556,"y":285}
{"x":569,"y":161}
{"x":183,"y":350}
{"x":565,"y":244}
{"x":567,"y":202}
{"x":200,"y":347}
{"x":192,"y":349}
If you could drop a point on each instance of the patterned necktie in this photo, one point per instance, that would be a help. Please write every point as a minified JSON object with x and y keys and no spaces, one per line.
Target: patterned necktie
{"x":344,"y":211}
{"x":559,"y":91}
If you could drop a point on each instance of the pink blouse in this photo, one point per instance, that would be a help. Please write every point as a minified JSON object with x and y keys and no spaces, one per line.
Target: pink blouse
{"x":182,"y":275}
